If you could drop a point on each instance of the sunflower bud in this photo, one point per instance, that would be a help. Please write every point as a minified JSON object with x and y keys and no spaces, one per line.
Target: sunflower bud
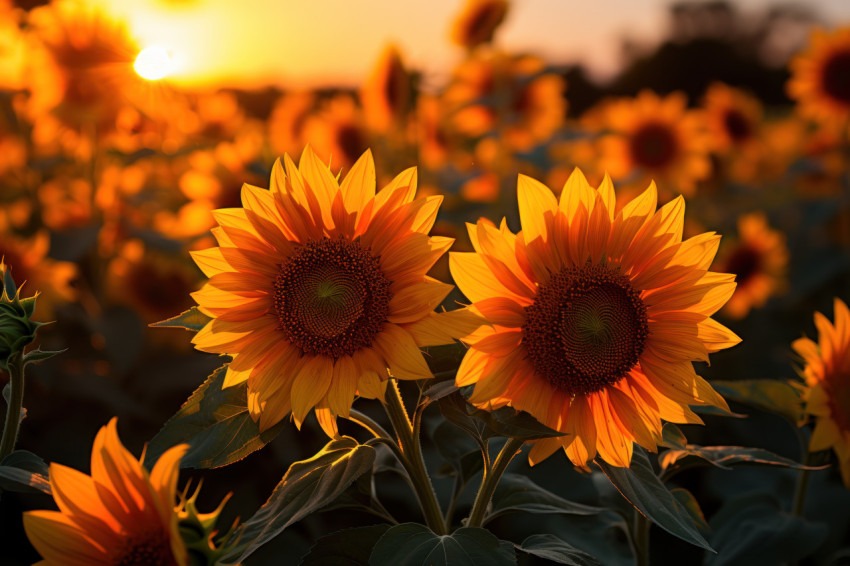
{"x":17,"y":329}
{"x":205,"y":545}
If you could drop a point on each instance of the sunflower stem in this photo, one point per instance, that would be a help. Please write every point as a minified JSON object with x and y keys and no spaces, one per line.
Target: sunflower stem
{"x":641,"y":539}
{"x":369,"y":424}
{"x":412,"y":459}
{"x":802,"y":488}
{"x":491,"y":480}
{"x":15,"y":364}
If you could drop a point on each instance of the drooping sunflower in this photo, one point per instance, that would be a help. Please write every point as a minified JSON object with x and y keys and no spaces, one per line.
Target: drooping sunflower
{"x":120,"y":515}
{"x":597,"y":318}
{"x":820,"y":76}
{"x":387,"y":96}
{"x":655,"y":137}
{"x":827,"y":375}
{"x":759,"y":261}
{"x":317,"y":287}
{"x":478,"y":22}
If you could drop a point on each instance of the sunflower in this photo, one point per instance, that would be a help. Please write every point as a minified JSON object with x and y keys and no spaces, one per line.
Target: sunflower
{"x":596,"y":318}
{"x":337,"y":131}
{"x":655,"y":137}
{"x":759,"y":261}
{"x":734,"y":118}
{"x":84,"y":74}
{"x":387,"y":96}
{"x":119,"y":515}
{"x":478,"y":22}
{"x":827,"y":375}
{"x":517,"y":95}
{"x":820,"y":76}
{"x":318,"y":287}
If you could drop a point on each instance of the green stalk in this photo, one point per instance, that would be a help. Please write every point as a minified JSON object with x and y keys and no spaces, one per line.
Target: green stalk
{"x":641,"y":539}
{"x":491,"y":480}
{"x":412,"y":460}
{"x":15,"y":364}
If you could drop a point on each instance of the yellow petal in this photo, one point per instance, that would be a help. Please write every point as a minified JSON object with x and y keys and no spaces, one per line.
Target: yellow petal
{"x":403,"y":356}
{"x":310,"y":386}
{"x":537,"y":208}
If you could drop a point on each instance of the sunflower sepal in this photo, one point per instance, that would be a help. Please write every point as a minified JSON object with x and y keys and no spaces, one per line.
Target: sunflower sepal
{"x":204,"y":544}
{"x":192,"y":319}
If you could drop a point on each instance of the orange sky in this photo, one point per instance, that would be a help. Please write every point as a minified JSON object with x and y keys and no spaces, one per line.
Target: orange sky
{"x":322,"y":42}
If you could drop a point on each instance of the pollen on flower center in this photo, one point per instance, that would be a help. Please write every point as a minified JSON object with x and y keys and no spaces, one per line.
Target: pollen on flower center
{"x":153,"y":549}
{"x":836,"y":76}
{"x":653,"y":145}
{"x":585,"y":329}
{"x":331,"y":297}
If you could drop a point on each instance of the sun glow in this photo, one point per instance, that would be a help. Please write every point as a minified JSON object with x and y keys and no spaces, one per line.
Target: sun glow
{"x":154,"y":63}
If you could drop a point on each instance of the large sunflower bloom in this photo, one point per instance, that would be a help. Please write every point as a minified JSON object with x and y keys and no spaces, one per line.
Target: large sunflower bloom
{"x":827,"y":374}
{"x":318,"y":287}
{"x":820,"y":76}
{"x":119,"y":515}
{"x":596,"y":318}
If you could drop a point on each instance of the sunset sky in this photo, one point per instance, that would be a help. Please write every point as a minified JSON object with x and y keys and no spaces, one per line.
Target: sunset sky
{"x":323,"y":42}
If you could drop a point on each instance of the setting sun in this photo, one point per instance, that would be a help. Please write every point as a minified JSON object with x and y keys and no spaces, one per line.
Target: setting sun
{"x":153,"y":63}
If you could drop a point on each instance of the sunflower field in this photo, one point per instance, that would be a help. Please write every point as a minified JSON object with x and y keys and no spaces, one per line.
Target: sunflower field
{"x":513,"y":313}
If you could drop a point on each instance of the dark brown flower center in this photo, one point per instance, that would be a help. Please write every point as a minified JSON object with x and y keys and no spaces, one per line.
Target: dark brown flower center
{"x":836,"y":77}
{"x":744,"y":263}
{"x":352,"y":142}
{"x":737,"y":125}
{"x":653,"y":145}
{"x":151,"y":549}
{"x":585,"y":329}
{"x":331,"y":297}
{"x":838,"y":389}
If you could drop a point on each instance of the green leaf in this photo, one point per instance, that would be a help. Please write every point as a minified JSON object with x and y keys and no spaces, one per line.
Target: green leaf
{"x":770,"y":395}
{"x":439,"y":390}
{"x":192,"y":319}
{"x":754,"y":530}
{"x":216,"y":425}
{"x":647,"y":493}
{"x":306,"y":487}
{"x":412,"y":544}
{"x":453,"y":445}
{"x":514,"y":424}
{"x":501,"y":422}
{"x":517,"y":492}
{"x":555,"y":550}
{"x":23,"y":471}
{"x":37,"y":355}
{"x":349,"y":547}
{"x":725,"y":457}
{"x":689,"y":502}
{"x":683,"y":455}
